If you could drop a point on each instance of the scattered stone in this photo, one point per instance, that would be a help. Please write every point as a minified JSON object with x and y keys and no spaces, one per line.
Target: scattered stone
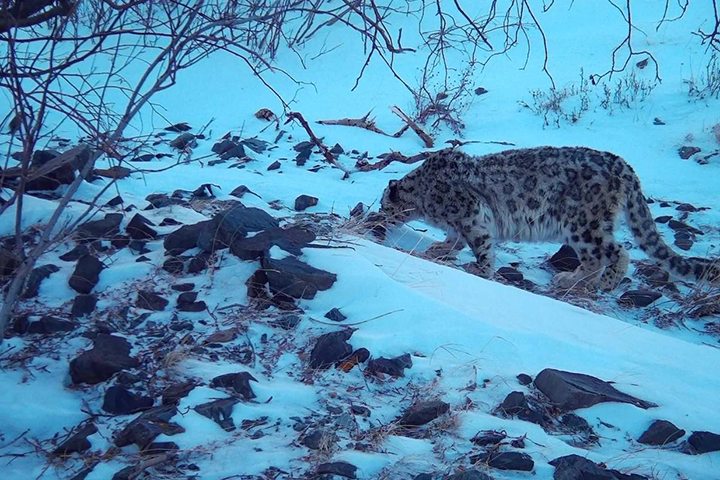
{"x":255,"y":144}
{"x":186,"y":303}
{"x":704,"y":442}
{"x":683,"y":242}
{"x":184,"y":141}
{"x":570,"y":391}
{"x":313,"y":440}
{"x":108,"y":356}
{"x":77,"y":442}
{"x":480,"y":91}
{"x":661,"y":432}
{"x":172,"y":394}
{"x":663,"y":218}
{"x":179,"y":127}
{"x":231,"y":224}
{"x":238,"y":382}
{"x":337,"y":149}
{"x":148,"y":426}
{"x":9,"y":262}
{"x":679,"y":226}
{"x":120,"y":241}
{"x":358,"y":210}
{"x":86,"y":274}
{"x":292,"y":240}
{"x":575,"y":467}
{"x":286,"y":322}
{"x":183,"y":287}
{"x":686,"y":152}
{"x":161,"y":200}
{"x":360,"y":410}
{"x":512,"y":275}
{"x":524,"y":379}
{"x":148,"y":300}
{"x":303,"y":202}
{"x":83,"y":305}
{"x":173,"y":265}
{"x":32,"y":286}
{"x":44,"y":326}
{"x":506,"y":460}
{"x":199,"y":263}
{"x":335,"y":315}
{"x":686,"y":207}
{"x":330,"y":348}
{"x":169,"y":222}
{"x":265,"y":114}
{"x":100,"y":229}
{"x":470,"y":475}
{"x":289,"y":276}
{"x":127,"y":378}
{"x":639,"y":298}
{"x":157,"y":448}
{"x":565,"y":260}
{"x":342,"y":469}
{"x":219,"y":411}
{"x":120,"y":401}
{"x":238,"y":192}
{"x":145,"y":157}
{"x":64,"y":175}
{"x":74,"y":254}
{"x":274,"y":166}
{"x":184,"y":238}
{"x":514,"y":403}
{"x":658,"y":121}
{"x":423,"y":413}
{"x":139,"y":228}
{"x":665,"y":204}
{"x":488,"y":437}
{"x":575,"y":423}
{"x":390,"y":366}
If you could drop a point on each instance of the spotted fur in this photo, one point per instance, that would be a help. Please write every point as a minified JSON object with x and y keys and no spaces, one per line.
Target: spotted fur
{"x":568,"y":194}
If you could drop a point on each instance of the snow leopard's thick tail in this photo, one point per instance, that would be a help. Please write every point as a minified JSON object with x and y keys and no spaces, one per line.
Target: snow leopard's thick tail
{"x":648,"y":237}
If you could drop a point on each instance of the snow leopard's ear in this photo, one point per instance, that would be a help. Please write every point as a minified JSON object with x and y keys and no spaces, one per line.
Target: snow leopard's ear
{"x":393,"y":187}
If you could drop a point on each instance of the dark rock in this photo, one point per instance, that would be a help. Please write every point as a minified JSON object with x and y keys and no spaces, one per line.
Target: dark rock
{"x":658,"y":121}
{"x":360,"y":410}
{"x":139,"y":228}
{"x":514,"y":403}
{"x":169,"y":222}
{"x":179,"y":127}
{"x":183,"y":287}
{"x":661,"y":432}
{"x":570,"y":391}
{"x":161,"y":200}
{"x":77,"y":442}
{"x":83,"y":305}
{"x":255,"y":144}
{"x":686,"y":151}
{"x":223,"y":146}
{"x":120,"y":241}
{"x":184,"y":238}
{"x":138,"y":246}
{"x":575,"y":423}
{"x":565,"y":260}
{"x":512,"y":275}
{"x":157,"y":448}
{"x":704,"y":442}
{"x":296,"y":279}
{"x":238,"y":192}
{"x":100,"y":229}
{"x":683,"y":242}
{"x":686,"y":207}
{"x":238,"y":382}
{"x":342,"y":469}
{"x":148,"y":426}
{"x":335,"y":315}
{"x":480,"y":91}
{"x":575,"y":467}
{"x":9,"y":262}
{"x":45,"y":325}
{"x":470,"y":475}
{"x":173,"y":265}
{"x":679,"y":226}
{"x":292,"y":240}
{"x":127,"y":378}
{"x":32,"y":286}
{"x":74,"y":254}
{"x":274,"y":166}
{"x":506,"y":460}
{"x":423,"y":413}
{"x":219,"y":411}
{"x":148,"y":300}
{"x":145,"y":157}
{"x":184,"y":141}
{"x":390,"y":366}
{"x":330,"y":349}
{"x":337,"y":149}
{"x":199,"y":263}
{"x":108,"y":356}
{"x":186,"y":303}
{"x":120,"y":401}
{"x":639,"y":298}
{"x":524,"y":379}
{"x":313,"y":440}
{"x":488,"y":437}
{"x":172,"y":394}
{"x":64,"y":175}
{"x":358,"y":210}
{"x":233,"y":223}
{"x":86,"y":274}
{"x":303,"y":202}
{"x":663,"y":219}
{"x":286,"y":322}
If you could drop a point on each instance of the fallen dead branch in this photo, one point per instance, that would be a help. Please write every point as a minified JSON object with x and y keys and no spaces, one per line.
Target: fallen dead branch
{"x":427,"y":139}
{"x":364,"y":166}
{"x":364,"y":122}
{"x":329,"y":157}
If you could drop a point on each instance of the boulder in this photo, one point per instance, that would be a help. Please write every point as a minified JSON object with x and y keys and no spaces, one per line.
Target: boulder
{"x":219,"y":411}
{"x":140,"y":228}
{"x":77,"y":442}
{"x":661,"y":432}
{"x":120,"y":401}
{"x":423,"y":413}
{"x":83,"y":305}
{"x":148,"y":426}
{"x":289,"y":276}
{"x":390,"y":366}
{"x":109,"y":355}
{"x":238,"y":382}
{"x":342,"y":469}
{"x":289,"y":239}
{"x":32,"y":286}
{"x":506,"y":460}
{"x":184,"y":238}
{"x":330,"y":348}
{"x":704,"y":442}
{"x":100,"y":229}
{"x":565,"y":260}
{"x":86,"y":274}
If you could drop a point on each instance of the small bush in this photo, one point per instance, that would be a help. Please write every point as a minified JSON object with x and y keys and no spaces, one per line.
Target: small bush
{"x":707,"y":84}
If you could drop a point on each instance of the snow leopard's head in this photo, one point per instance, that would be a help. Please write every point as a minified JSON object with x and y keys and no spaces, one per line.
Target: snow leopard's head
{"x":398,"y":205}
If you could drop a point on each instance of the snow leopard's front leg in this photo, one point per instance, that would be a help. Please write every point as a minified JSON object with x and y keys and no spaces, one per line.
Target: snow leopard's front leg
{"x":447,"y":248}
{"x":476,"y":231}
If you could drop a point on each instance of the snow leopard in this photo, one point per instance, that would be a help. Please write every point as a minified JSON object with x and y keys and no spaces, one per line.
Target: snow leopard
{"x":568,"y":194}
